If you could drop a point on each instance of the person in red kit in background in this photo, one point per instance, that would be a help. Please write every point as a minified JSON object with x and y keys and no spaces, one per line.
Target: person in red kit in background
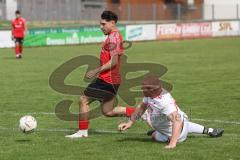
{"x":104,"y":87}
{"x":19,"y":28}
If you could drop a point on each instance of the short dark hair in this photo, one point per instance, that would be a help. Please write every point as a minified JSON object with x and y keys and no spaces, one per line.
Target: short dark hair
{"x":17,"y":12}
{"x":109,"y":16}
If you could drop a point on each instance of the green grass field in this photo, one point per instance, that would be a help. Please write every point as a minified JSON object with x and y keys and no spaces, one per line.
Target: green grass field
{"x":205,"y":78}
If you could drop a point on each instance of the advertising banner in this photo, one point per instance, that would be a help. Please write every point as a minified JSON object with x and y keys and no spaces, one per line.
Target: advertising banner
{"x":141,"y":32}
{"x":191,"y":30}
{"x":66,"y":36}
{"x":225,"y":28}
{"x":6,"y":39}
{"x":205,"y":29}
{"x":169,"y":31}
{"x":184,"y":30}
{"x":93,"y":34}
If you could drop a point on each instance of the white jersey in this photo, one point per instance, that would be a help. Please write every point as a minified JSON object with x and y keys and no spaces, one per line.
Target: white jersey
{"x":159,"y":109}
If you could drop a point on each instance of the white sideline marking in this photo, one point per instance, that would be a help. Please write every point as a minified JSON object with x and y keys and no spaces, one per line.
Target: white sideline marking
{"x":217,"y":121}
{"x":69,"y":130}
{"x":106,"y":132}
{"x":52,"y":113}
{"x":31,"y":113}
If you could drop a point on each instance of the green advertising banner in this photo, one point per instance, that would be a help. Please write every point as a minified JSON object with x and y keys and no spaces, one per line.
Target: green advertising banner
{"x":67,"y":36}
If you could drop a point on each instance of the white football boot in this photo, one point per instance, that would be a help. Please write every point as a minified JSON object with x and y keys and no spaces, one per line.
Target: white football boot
{"x":78,"y":134}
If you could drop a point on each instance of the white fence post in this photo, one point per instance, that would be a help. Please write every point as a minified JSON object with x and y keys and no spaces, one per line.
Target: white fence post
{"x":237,"y":11}
{"x":129,"y":11}
{"x":154,"y":11}
{"x":179,"y":10}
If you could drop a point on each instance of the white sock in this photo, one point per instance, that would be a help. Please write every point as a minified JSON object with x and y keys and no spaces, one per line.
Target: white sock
{"x":83,"y":131}
{"x":195,"y":128}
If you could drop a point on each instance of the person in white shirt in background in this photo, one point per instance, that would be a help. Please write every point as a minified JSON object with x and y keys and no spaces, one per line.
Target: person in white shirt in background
{"x":161,"y":112}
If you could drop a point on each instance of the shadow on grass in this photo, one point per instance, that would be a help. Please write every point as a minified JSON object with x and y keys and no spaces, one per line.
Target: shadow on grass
{"x":103,"y":132}
{"x":197,"y":136}
{"x":13,"y":58}
{"x":113,"y":132}
{"x":136,"y":139}
{"x":144,"y":139}
{"x":236,"y":98}
{"x":23,"y":140}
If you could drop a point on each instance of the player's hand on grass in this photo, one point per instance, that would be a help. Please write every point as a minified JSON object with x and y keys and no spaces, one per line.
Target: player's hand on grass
{"x":124,"y":126}
{"x":170,"y":146}
{"x":91,"y":74}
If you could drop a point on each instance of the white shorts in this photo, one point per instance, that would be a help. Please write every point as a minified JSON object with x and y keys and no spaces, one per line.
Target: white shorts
{"x":164,"y":138}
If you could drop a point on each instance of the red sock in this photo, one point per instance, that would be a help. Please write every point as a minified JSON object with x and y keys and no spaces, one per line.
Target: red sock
{"x":83,"y":124}
{"x":17,"y":49}
{"x":129,"y":111}
{"x":20,"y":49}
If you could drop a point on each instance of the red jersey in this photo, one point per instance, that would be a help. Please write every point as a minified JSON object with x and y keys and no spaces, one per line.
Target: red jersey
{"x":18,"y":27}
{"x":112,"y":46}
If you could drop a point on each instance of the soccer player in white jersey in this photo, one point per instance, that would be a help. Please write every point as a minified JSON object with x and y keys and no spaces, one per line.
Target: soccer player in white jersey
{"x":161,"y":112}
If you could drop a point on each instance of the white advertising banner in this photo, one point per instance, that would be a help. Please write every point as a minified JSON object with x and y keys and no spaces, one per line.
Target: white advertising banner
{"x":205,"y":29}
{"x":184,"y":30}
{"x":225,"y":28}
{"x":169,"y":31}
{"x":141,"y":32}
{"x":191,"y":30}
{"x":5,"y":39}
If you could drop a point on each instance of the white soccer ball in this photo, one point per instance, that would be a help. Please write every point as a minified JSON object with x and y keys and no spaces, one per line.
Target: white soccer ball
{"x":27,"y":124}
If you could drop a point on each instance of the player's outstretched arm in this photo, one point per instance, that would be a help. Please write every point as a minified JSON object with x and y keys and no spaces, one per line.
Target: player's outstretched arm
{"x":110,"y":64}
{"x":138,"y":113}
{"x":105,"y":67}
{"x":176,"y":129}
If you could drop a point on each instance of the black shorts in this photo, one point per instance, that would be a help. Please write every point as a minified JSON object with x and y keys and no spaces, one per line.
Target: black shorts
{"x":101,"y":90}
{"x":18,"y":40}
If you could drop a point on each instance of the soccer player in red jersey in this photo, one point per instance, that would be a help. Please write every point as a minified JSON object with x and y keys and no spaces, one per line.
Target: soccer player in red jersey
{"x":104,"y":87}
{"x":19,"y":27}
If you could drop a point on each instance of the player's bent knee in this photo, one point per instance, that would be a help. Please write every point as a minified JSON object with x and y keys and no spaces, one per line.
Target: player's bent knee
{"x":158,"y":137}
{"x":153,"y":136}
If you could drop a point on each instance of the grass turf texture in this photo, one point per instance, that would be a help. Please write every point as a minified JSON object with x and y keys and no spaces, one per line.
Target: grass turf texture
{"x":205,"y":76}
